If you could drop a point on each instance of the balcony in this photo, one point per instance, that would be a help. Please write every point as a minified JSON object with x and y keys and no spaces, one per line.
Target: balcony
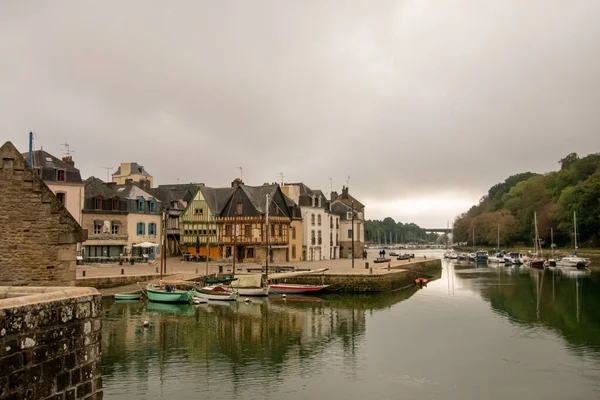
{"x":107,"y":236}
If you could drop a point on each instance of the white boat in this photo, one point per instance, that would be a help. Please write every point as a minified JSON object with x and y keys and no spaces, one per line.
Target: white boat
{"x":250,"y":285}
{"x":289,"y":288}
{"x":495,"y":260}
{"x":574,"y":260}
{"x":216,"y":293}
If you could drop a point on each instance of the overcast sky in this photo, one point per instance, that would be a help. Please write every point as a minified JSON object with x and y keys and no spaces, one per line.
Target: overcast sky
{"x":425,"y":104}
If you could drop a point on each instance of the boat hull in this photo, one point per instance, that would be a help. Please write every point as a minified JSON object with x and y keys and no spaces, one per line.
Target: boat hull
{"x":292,"y":288}
{"x":208,"y":294}
{"x":128,"y":296}
{"x":537,"y":264}
{"x":253,"y":291}
{"x":177,"y":296}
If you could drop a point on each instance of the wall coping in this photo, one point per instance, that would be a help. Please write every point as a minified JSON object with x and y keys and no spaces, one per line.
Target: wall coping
{"x":21,"y":296}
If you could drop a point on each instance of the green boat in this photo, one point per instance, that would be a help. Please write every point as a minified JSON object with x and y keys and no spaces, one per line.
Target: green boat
{"x":128,"y":296}
{"x":168,"y":295}
{"x":219,"y":281}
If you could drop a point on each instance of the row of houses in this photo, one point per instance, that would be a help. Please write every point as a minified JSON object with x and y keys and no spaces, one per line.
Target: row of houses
{"x":126,"y":217}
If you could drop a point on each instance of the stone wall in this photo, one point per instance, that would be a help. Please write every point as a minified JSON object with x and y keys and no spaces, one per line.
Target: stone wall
{"x":39,"y":236}
{"x":50,"y":343}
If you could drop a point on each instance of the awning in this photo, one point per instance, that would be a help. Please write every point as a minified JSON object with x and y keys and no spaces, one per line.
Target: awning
{"x":146,"y":245}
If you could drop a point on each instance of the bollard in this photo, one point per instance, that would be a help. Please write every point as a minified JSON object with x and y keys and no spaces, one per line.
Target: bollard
{"x":122,"y":271}
{"x":367,"y":265}
{"x":371,"y":271}
{"x":220,"y":269}
{"x":83,"y":272}
{"x":196,"y":271}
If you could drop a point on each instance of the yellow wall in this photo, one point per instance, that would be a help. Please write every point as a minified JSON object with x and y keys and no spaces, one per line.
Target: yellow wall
{"x":120,"y":180}
{"x":74,"y":197}
{"x":132,"y":221}
{"x":298,"y":241}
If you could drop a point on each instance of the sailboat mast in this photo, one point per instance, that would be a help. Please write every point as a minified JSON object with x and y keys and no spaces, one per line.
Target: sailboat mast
{"x":268,"y":249}
{"x":575,"y":228}
{"x":473,"y":239}
{"x":498,"y":245}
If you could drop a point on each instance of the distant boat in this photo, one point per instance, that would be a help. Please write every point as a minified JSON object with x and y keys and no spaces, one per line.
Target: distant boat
{"x":537,"y":260}
{"x":288,"y":288}
{"x":168,"y":294}
{"x":574,"y":260}
{"x":481,"y":257}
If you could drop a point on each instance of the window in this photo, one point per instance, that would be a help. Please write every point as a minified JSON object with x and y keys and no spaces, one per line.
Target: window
{"x":337,"y":223}
{"x":141,"y":228}
{"x":319,"y":201}
{"x":331,"y":222}
{"x":312,"y":237}
{"x":98,"y":203}
{"x":152,"y":206}
{"x":349,"y":233}
{"x":319,"y":219}
{"x":272,"y":230}
{"x":319,"y":239}
{"x":227,"y":230}
{"x":313,"y":201}
{"x":312,"y":219}
{"x":60,"y":175}
{"x":151,"y":228}
{"x":293,"y":251}
{"x":198,"y":211}
{"x":61,"y":197}
{"x":115,"y":204}
{"x":330,"y":239}
{"x":238,"y":208}
{"x":293,"y":232}
{"x":250,"y":252}
{"x":140,"y":204}
{"x":97,"y":227}
{"x":247,"y":230}
{"x":114,"y":229}
{"x":280,"y":229}
{"x":337,"y":240}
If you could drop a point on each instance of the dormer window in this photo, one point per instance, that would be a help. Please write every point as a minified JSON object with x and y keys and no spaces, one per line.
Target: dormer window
{"x":61,"y":196}
{"x":313,"y":201}
{"x":61,"y":175}
{"x":115,"y":204}
{"x":319,"y":201}
{"x":152,"y":206}
{"x":98,"y":203}
{"x":140,"y":204}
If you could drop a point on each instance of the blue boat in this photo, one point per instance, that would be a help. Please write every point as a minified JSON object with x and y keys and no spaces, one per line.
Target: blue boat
{"x":481,"y":256}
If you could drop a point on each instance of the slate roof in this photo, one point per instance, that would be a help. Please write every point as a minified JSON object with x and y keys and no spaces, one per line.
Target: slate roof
{"x":96,"y":187}
{"x":341,"y":209}
{"x":132,"y":192}
{"x":216,"y":198}
{"x":135,"y":168}
{"x":306,"y":195}
{"x":49,"y":164}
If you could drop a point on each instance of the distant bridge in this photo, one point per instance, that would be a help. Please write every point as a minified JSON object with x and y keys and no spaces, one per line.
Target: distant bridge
{"x":437,"y":230}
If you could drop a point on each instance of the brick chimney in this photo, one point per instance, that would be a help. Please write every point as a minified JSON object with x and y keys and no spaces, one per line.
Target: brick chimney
{"x":68,"y":160}
{"x":236,"y":182}
{"x":344,"y":192}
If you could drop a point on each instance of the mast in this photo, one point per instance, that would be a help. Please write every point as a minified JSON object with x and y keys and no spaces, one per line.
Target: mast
{"x":473,"y":239}
{"x":162,"y":258}
{"x":575,"y":228}
{"x":268,"y":247}
{"x":498,"y":245}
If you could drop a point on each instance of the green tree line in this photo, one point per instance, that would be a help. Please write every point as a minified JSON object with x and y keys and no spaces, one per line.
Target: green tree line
{"x":554,"y":197}
{"x":377,"y":231}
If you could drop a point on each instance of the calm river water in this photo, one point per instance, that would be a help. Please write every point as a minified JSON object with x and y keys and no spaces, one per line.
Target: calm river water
{"x":486,"y":333}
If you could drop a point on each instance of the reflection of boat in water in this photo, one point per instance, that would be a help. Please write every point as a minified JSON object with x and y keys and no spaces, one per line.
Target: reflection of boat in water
{"x":181,"y":309}
{"x":290,"y":288}
{"x":573,"y":272}
{"x":297,"y":298}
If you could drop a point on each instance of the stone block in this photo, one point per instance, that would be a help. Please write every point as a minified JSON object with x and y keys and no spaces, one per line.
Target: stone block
{"x":63,"y":380}
{"x":52,"y":367}
{"x":84,"y":389}
{"x":76,"y":376}
{"x":70,"y":394}
{"x":11,"y":363}
{"x":70,"y":361}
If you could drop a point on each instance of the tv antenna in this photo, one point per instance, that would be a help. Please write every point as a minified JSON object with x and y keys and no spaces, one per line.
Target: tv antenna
{"x":241,"y":173}
{"x":281,"y":176}
{"x":66,"y":147}
{"x":348,"y":182}
{"x":107,"y":171}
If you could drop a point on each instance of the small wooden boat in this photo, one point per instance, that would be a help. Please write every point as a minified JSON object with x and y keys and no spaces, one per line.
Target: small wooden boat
{"x":405,"y":256}
{"x":536,"y":263}
{"x":288,"y":288}
{"x":168,"y":294}
{"x":218,"y":293}
{"x":128,"y":296}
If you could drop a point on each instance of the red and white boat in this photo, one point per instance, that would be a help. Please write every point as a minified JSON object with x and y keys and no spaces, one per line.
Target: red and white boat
{"x":289,"y":288}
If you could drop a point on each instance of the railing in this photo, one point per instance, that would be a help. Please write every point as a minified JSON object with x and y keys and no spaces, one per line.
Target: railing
{"x":107,"y":236}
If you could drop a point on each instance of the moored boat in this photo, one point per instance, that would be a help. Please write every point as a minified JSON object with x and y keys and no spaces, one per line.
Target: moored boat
{"x":251,"y":285}
{"x":217,"y":293}
{"x":481,"y":256}
{"x":288,"y":288}
{"x":168,"y":294}
{"x":128,"y":296}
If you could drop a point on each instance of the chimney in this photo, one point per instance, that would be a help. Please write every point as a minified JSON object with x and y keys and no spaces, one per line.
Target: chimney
{"x":236,"y":182}
{"x":125,"y":169}
{"x":344,"y":192}
{"x":68,"y":160}
{"x":128,"y":181}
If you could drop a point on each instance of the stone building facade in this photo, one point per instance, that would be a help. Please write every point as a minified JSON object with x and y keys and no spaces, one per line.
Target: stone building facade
{"x":39,"y":240}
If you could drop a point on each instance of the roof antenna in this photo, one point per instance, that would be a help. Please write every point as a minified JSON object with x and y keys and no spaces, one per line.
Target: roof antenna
{"x":67,"y":149}
{"x":107,"y":170}
{"x":281,"y":176}
{"x":241,"y":174}
{"x":348,"y":182}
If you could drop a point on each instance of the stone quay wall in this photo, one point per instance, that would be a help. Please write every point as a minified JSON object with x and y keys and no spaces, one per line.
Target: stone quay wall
{"x":104,"y":282}
{"x":50,"y":343}
{"x":400,"y":276}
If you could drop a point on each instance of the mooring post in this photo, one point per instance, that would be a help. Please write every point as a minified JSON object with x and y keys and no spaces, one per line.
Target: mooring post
{"x":367,"y":265}
{"x":371,"y":271}
{"x":196,"y":271}
{"x":122,"y":271}
{"x":83,"y":273}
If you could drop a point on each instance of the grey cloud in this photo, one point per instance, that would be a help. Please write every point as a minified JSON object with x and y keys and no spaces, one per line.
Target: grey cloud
{"x":411,"y":99}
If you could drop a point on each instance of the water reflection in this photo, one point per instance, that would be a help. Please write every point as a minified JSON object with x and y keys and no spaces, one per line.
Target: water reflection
{"x":230,"y":341}
{"x":566,"y":301}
